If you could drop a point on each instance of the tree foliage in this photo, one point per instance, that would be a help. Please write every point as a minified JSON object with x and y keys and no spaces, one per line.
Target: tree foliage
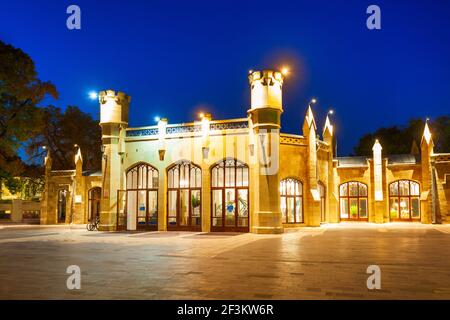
{"x":399,"y":139}
{"x":20,"y":93}
{"x":63,"y":130}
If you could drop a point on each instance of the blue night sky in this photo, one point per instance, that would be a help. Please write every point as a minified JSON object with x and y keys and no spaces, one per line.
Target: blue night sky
{"x":177,"y":57}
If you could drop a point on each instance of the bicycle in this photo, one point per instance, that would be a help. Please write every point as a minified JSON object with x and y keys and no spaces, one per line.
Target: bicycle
{"x":93,"y":224}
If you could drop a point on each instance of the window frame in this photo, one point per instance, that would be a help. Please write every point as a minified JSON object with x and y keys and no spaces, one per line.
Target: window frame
{"x":286,"y":197}
{"x":222,"y":165}
{"x":147,"y":190}
{"x":358,"y":197}
{"x":399,"y":196}
{"x":189,"y":226}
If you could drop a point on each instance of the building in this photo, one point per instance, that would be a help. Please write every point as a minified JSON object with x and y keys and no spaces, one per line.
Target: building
{"x":242,"y":174}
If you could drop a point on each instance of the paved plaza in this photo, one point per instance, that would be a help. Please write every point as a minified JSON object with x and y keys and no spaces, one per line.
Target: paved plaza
{"x":329,"y":262}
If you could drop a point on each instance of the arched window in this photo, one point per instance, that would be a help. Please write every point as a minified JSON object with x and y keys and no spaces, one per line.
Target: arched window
{"x":94,"y":196}
{"x":291,"y":200}
{"x":353,"y":201}
{"x":321,"y":188}
{"x":142,"y":197}
{"x":404,"y":201}
{"x":229,"y":188}
{"x":184,"y":196}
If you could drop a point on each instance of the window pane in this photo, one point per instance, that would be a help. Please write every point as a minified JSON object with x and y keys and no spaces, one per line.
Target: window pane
{"x":245,"y":177}
{"x":404,"y":208}
{"x":170,"y":178}
{"x":142,"y":212}
{"x":282,"y":188}
{"x":343,"y":190}
{"x":153,"y":207}
{"x":184,"y":207}
{"x":298,"y":210}
{"x":362,"y":190}
{"x":363,"y":208}
{"x":344,"y":208}
{"x":239,"y":177}
{"x":404,"y":188}
{"x":217,"y":208}
{"x":243,"y":208}
{"x":415,"y":208}
{"x":414,"y":189}
{"x":195,"y":207}
{"x":354,"y":208}
{"x":230,"y":207}
{"x":353,"y":188}
{"x":290,"y":210}
{"x":393,"y":189}
{"x":283,"y":209}
{"x":176,"y":177}
{"x":131,"y":209}
{"x":172,"y":208}
{"x":393,"y":208}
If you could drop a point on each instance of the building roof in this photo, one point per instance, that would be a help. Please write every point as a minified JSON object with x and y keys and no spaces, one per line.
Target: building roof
{"x":361,"y":161}
{"x":92,"y":173}
{"x":357,"y":161}
{"x":403,"y":159}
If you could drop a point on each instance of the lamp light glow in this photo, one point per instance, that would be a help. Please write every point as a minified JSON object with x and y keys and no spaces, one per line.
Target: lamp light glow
{"x":285,"y":71}
{"x":157,"y":118}
{"x":93,"y":95}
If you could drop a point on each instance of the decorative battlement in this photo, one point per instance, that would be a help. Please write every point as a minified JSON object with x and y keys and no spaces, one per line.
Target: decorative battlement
{"x":188,"y":128}
{"x":266,"y":89}
{"x":113,"y":106}
{"x":266,"y":78}
{"x":118,"y":97}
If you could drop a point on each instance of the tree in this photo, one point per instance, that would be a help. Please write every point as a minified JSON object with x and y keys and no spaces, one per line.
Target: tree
{"x":399,"y":140}
{"x":63,"y":130}
{"x":20,"y":119}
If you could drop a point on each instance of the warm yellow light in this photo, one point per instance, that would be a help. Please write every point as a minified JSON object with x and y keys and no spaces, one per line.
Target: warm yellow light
{"x":285,"y":71}
{"x":201,"y":115}
{"x":313,"y":100}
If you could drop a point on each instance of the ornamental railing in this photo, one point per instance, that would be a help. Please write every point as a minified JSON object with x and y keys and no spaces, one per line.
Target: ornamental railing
{"x":188,"y":128}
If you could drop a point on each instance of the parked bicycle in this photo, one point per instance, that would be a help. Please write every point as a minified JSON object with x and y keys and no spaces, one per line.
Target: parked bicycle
{"x":93,"y":224}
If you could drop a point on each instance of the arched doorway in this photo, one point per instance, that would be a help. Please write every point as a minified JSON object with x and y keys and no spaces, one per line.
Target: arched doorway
{"x":142,"y":197}
{"x":404,"y":200}
{"x":62,"y":205}
{"x":94,"y":196}
{"x":184,"y":196}
{"x":353,"y":201}
{"x":229,"y":188}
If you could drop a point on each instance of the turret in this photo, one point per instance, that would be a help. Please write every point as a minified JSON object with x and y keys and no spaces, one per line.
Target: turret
{"x":114,"y":121}
{"x":264,"y":121}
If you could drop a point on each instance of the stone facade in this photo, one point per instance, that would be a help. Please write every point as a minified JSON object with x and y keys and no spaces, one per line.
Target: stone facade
{"x":250,"y":176}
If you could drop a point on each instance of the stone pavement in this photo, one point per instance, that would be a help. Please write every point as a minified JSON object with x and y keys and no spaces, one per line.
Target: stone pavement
{"x":329,"y":262}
